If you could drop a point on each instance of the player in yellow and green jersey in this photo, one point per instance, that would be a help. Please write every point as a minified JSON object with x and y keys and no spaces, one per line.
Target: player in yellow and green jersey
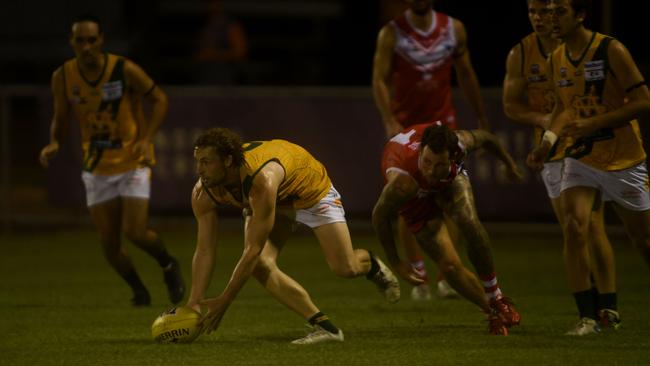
{"x":276,"y":183}
{"x":104,"y":93}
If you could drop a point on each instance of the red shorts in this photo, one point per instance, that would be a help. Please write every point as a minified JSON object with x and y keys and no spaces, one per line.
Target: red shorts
{"x":417,"y":212}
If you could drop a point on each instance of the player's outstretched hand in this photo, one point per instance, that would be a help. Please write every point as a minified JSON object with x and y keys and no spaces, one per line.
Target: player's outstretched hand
{"x":408,"y":273}
{"x":217,"y":307}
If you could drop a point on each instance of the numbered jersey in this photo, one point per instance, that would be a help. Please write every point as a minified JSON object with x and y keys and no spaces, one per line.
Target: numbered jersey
{"x":106,"y":111}
{"x":305,"y":179}
{"x":587,"y":87}
{"x":539,"y":88}
{"x":421,"y":71}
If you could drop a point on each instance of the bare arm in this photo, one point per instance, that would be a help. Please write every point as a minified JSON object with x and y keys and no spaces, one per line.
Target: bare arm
{"x":381,"y":72}
{"x":60,"y":120}
{"x":400,"y":189}
{"x":262,"y":199}
{"x":514,"y":90}
{"x":557,"y":120}
{"x":481,"y":139}
{"x":206,"y":245}
{"x":637,"y":94}
{"x":143,"y":86}
{"x":466,"y":76}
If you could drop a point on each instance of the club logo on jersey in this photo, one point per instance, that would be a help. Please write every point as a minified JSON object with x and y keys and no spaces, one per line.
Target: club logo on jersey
{"x":595,"y":70}
{"x":563,"y":72}
{"x":588,"y":105}
{"x":112,"y":91}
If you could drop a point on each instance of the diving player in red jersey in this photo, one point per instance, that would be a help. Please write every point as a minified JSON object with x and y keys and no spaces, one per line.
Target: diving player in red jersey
{"x":412,"y":84}
{"x":425,"y":181}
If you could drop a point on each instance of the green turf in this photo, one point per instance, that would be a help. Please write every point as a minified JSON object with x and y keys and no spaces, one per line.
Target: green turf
{"x":62,"y":305}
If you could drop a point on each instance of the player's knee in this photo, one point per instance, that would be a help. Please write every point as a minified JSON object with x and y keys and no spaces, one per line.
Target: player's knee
{"x":263,"y":269}
{"x":576,"y":228}
{"x":448,"y":267}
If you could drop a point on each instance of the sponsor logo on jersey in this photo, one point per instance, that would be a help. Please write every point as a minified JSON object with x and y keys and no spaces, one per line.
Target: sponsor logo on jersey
{"x":112,"y":91}
{"x":564,"y":83}
{"x":595,"y":70}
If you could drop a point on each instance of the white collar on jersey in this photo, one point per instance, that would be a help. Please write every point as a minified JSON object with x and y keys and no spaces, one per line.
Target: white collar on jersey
{"x":434,"y":22}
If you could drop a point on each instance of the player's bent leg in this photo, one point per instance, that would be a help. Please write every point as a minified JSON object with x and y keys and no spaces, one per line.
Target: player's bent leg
{"x":282,"y":287}
{"x":341,"y":257}
{"x":107,"y":219}
{"x":334,"y":239}
{"x":292,"y":295}
{"x":435,"y":241}
{"x":135,"y":211}
{"x":437,"y":244}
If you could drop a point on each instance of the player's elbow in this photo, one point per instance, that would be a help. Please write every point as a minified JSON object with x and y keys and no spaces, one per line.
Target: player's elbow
{"x":509,"y":109}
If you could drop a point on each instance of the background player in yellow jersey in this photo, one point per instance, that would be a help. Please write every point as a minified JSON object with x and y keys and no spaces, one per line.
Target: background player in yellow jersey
{"x":276,"y":183}
{"x":528,"y":98}
{"x":600,"y":92}
{"x":104,"y":93}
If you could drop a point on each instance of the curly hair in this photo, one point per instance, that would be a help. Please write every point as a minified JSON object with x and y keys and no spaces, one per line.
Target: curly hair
{"x":224,"y":141}
{"x":439,"y":138}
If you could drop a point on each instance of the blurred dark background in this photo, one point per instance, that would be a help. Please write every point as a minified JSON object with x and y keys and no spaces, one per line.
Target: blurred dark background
{"x":290,"y":42}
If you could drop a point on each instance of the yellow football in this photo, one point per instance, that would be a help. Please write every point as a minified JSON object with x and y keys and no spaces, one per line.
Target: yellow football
{"x":176,"y":325}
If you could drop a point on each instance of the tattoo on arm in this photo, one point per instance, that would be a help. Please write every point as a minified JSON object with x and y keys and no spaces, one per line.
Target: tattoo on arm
{"x":395,"y":194}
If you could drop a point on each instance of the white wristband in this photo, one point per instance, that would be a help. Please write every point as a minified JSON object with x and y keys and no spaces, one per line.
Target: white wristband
{"x":549,"y":136}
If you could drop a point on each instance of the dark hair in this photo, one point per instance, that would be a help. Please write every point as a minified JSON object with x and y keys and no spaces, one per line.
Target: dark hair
{"x":439,"y":138}
{"x":87,"y":18}
{"x":224,"y":141}
{"x":581,"y":6}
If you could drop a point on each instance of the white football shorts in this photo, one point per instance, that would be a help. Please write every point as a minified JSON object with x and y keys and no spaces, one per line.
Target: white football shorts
{"x":101,"y":188}
{"x":552,"y":178}
{"x":628,"y":188}
{"x":327,"y":211}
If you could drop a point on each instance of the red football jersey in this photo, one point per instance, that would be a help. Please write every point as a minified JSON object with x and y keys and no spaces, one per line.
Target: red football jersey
{"x":421,"y":71}
{"x":401,"y":155}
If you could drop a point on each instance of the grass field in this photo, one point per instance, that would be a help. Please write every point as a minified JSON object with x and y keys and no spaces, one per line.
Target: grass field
{"x":62,"y":305}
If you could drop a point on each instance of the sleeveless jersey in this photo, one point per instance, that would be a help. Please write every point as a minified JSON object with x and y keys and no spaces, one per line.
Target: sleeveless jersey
{"x":305,"y":181}
{"x":587,"y":87}
{"x":421,"y":71}
{"x":401,"y":155}
{"x":105,"y":111}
